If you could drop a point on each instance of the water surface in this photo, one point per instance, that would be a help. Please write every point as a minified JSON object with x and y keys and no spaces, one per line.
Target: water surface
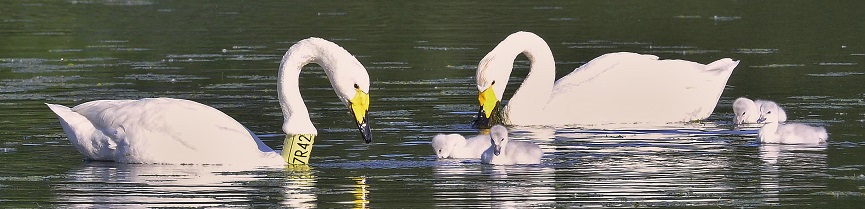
{"x":421,"y":57}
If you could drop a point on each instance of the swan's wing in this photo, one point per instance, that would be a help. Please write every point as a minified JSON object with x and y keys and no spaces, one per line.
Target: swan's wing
{"x":597,"y":67}
{"x":476,"y":145}
{"x":629,"y":87}
{"x":261,"y":145}
{"x":164,"y":130}
{"x":797,"y":133}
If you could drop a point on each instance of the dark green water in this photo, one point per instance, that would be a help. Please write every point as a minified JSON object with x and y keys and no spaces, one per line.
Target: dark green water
{"x":421,"y":57}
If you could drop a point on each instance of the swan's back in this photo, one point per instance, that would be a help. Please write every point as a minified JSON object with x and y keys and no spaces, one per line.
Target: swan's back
{"x":522,"y":152}
{"x":630,"y":87}
{"x":475,"y":146}
{"x":165,"y":130}
{"x":797,"y":133}
{"x":517,"y":152}
{"x":457,"y":146}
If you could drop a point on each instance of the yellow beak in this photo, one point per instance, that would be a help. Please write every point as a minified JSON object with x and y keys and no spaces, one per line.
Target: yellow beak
{"x":359,"y":107}
{"x":488,"y":100}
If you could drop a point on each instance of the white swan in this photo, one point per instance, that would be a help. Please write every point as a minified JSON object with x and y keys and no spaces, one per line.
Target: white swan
{"x":506,"y":152}
{"x":177,"y":131}
{"x":613,"y":88}
{"x":788,"y":133}
{"x":457,"y":146}
{"x":748,"y":111}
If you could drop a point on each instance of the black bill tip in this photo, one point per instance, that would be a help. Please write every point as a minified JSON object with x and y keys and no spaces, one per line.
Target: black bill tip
{"x":481,"y":120}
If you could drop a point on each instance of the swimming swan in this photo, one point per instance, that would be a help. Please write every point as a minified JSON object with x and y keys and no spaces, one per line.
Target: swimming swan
{"x":177,"y":131}
{"x":457,"y":146}
{"x":506,"y":152}
{"x":613,"y":88}
{"x":748,"y":111}
{"x":788,"y":133}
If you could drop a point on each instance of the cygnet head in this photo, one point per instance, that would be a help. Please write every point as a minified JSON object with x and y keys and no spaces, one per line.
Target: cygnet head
{"x":443,"y":145}
{"x":745,"y":111}
{"x":769,"y":112}
{"x":499,"y":137}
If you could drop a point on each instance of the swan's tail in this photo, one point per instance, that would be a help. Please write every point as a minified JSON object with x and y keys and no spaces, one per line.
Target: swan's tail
{"x":824,"y":135}
{"x":724,"y":67}
{"x":82,"y":134}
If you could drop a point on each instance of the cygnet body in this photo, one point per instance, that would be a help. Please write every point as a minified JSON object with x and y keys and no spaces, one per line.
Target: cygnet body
{"x":748,"y":111}
{"x":788,"y":133}
{"x":506,"y":152}
{"x":457,"y":146}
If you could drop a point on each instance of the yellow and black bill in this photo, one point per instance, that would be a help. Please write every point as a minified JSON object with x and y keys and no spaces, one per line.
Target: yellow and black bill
{"x":359,"y":107}
{"x":488,"y":104}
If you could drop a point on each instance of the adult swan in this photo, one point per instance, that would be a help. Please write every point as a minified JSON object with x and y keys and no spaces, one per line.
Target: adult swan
{"x":177,"y":131}
{"x":613,"y":88}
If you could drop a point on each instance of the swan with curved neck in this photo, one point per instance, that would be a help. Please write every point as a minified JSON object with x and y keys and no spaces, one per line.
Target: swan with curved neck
{"x":613,"y":88}
{"x":178,"y":131}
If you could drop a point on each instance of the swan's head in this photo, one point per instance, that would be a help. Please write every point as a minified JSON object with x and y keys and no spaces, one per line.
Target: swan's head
{"x":499,"y":137}
{"x":745,"y":111}
{"x":443,"y":145}
{"x":350,"y":80}
{"x":494,"y":72}
{"x":768,"y":112}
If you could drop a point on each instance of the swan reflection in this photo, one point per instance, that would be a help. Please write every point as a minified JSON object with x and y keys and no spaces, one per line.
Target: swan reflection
{"x":779,"y":161}
{"x":149,"y":185}
{"x":469,"y":184}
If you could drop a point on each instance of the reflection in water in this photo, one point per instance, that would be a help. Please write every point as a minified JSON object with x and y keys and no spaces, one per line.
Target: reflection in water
{"x":469,"y":184}
{"x":360,"y":192}
{"x":299,"y":187}
{"x":634,"y":167}
{"x":783,"y":163}
{"x":137,"y":185}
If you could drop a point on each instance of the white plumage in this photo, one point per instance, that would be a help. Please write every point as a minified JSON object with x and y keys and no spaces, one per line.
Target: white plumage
{"x":178,"y":131}
{"x":787,"y":133}
{"x":503,"y":151}
{"x":613,"y":88}
{"x":748,"y":111}
{"x":457,"y":146}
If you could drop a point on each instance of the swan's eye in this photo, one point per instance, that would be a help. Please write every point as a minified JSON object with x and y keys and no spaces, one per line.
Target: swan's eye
{"x":494,"y":82}
{"x":440,"y":150}
{"x":356,"y":86}
{"x":743,"y":113}
{"x":770,"y":112}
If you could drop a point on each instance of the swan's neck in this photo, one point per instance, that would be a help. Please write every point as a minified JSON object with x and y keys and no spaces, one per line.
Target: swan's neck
{"x":323,"y":53}
{"x":534,"y":93}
